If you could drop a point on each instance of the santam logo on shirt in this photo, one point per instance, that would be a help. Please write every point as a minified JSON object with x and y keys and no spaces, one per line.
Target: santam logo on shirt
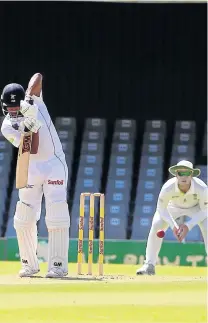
{"x":57,"y":182}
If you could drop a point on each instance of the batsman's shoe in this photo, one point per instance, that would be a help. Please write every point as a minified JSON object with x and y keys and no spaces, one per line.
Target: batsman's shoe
{"x":28,"y":272}
{"x":147,"y":269}
{"x":56,"y":273}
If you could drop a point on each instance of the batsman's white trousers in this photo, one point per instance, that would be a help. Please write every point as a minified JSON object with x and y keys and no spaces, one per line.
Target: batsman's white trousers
{"x":48,"y":178}
{"x":154,"y":243}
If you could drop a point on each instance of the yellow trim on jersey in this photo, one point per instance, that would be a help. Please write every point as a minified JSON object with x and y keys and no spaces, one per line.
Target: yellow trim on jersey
{"x":11,"y":140}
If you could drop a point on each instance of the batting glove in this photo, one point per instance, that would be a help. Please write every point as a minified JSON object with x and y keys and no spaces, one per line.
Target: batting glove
{"x":31,"y":124}
{"x":28,"y":108}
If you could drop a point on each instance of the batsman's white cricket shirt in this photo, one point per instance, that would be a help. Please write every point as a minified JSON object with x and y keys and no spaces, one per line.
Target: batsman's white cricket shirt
{"x":195,"y":200}
{"x":49,"y":142}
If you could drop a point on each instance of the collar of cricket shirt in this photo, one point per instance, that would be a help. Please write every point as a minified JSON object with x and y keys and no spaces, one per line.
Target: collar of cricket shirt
{"x":189,"y":192}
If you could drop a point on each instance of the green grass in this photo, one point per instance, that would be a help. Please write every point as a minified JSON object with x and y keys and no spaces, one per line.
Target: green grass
{"x":174,"y":295}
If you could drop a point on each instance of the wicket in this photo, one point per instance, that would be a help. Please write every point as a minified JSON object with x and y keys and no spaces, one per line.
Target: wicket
{"x":91,"y":232}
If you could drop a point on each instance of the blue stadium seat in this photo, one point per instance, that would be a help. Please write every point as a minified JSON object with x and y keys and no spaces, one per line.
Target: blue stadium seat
{"x":125,"y":125}
{"x":155,"y":126}
{"x":123,"y":173}
{"x":96,"y":124}
{"x":122,"y":148}
{"x":151,"y":161}
{"x":97,"y":136}
{"x":121,"y":161}
{"x":89,"y":172}
{"x":123,"y":136}
{"x":184,"y":138}
{"x":117,"y":197}
{"x":116,"y":209}
{"x":90,"y":160}
{"x":141,"y":227}
{"x":65,"y":123}
{"x":144,"y":209}
{"x":153,"y":138}
{"x":115,"y":227}
{"x":92,"y":148}
{"x":185,"y":126}
{"x":153,"y":150}
{"x":150,"y":173}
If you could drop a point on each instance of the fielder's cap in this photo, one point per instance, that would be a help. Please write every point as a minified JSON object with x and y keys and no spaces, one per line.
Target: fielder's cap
{"x":12,"y":95}
{"x":184,"y":164}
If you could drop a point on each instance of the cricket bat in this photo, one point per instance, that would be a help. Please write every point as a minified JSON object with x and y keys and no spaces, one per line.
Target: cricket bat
{"x":23,"y":160}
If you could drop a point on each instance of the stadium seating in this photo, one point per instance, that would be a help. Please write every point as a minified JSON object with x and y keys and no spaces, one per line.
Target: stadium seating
{"x":89,"y":171}
{"x":204,"y":149}
{"x":119,"y":179}
{"x":66,"y":129}
{"x":183,"y":142}
{"x":5,"y":168}
{"x":150,"y":177}
{"x":11,"y":211}
{"x":203,"y":175}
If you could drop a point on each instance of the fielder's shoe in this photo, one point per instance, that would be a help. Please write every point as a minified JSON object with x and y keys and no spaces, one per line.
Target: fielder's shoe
{"x":56,"y":273}
{"x":147,"y":269}
{"x":28,"y":272}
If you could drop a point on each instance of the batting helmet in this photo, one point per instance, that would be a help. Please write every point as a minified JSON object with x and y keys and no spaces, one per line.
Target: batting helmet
{"x":11,"y":96}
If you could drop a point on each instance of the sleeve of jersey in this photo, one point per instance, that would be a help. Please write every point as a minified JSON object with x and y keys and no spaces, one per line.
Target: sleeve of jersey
{"x":162,"y":203}
{"x":38,"y":99}
{"x":11,"y":134}
{"x":203,"y":213}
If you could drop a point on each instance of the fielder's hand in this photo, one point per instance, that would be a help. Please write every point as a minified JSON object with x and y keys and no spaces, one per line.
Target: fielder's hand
{"x":183,"y":231}
{"x":31,"y":124}
{"x":28,"y":108}
{"x":176,"y":233}
{"x":180,"y":233}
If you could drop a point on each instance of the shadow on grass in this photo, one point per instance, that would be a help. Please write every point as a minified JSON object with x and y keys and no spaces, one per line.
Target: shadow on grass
{"x":72,"y":278}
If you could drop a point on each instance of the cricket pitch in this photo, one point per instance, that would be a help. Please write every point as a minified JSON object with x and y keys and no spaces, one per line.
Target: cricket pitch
{"x":174,"y":295}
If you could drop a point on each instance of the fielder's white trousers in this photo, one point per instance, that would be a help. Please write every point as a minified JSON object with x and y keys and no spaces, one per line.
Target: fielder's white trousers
{"x":154,"y":243}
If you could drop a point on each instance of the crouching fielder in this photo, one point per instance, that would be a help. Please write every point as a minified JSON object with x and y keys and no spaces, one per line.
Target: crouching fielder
{"x":183,"y":195}
{"x":47,"y":175}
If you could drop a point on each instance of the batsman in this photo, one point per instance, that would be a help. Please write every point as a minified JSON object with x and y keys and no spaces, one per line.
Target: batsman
{"x":182,"y":195}
{"x":47,"y":175}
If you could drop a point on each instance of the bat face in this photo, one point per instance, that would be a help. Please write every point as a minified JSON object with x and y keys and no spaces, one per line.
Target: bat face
{"x":23,"y":161}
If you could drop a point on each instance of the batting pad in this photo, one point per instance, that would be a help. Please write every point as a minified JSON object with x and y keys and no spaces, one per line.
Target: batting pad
{"x":58,"y":222}
{"x":26,"y":229}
